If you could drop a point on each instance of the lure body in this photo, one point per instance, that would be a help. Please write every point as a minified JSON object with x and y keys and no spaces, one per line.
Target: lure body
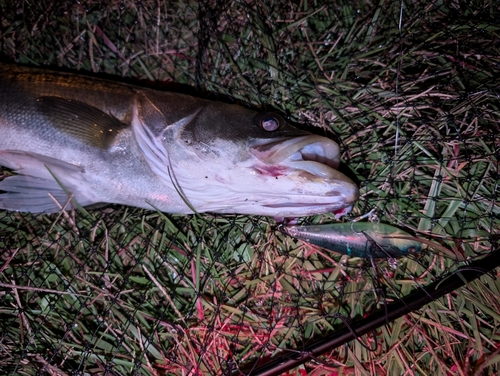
{"x":358,"y":239}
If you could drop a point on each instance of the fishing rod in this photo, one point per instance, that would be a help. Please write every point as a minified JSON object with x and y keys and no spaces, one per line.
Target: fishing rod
{"x":389,"y":313}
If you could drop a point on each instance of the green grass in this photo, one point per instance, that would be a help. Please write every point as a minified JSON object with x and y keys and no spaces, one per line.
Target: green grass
{"x":415,"y":110}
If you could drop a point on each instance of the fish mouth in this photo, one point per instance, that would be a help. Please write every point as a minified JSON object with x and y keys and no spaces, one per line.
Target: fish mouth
{"x":313,"y":154}
{"x":320,"y":187}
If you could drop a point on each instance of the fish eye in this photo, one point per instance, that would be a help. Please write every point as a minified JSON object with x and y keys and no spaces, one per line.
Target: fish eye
{"x":269,"y":122}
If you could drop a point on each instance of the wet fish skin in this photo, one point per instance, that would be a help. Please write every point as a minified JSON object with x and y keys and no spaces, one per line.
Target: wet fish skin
{"x":109,"y":142}
{"x":358,"y":239}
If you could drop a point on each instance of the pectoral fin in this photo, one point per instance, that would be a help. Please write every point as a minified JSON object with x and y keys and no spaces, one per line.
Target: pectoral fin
{"x":32,"y":188}
{"x":81,"y":121}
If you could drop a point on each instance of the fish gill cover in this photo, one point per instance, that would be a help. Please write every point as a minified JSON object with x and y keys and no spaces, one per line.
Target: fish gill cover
{"x":410,"y":90}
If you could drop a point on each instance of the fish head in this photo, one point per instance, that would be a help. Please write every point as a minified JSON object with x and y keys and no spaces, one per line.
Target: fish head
{"x":230,"y":159}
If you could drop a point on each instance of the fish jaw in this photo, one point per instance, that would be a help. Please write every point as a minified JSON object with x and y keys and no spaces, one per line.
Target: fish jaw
{"x":304,"y":148}
{"x":265,"y":179}
{"x":311,"y":162}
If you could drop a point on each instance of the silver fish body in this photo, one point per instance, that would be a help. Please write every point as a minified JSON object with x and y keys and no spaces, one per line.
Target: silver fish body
{"x":358,"y":239}
{"x":108,"y":142}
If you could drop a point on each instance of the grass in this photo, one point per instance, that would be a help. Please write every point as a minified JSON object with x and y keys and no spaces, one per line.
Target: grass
{"x":412,"y":99}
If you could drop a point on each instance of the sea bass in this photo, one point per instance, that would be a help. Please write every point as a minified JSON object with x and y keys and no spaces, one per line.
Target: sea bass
{"x":98,"y":141}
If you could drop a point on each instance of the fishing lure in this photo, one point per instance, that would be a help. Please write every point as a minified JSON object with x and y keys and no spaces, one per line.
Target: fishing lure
{"x":358,"y":239}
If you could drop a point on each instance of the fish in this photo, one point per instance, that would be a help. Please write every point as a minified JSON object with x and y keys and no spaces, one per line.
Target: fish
{"x":72,"y":139}
{"x":358,"y":239}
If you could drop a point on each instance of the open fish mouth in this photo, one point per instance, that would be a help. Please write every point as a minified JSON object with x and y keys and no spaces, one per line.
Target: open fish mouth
{"x":316,"y":155}
{"x":319,"y":186}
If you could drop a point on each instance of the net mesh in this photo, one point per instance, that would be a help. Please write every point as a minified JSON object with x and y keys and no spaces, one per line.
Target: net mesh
{"x":409,"y":89}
